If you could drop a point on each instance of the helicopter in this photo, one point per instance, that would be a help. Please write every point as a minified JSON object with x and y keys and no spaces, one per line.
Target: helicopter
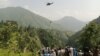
{"x":48,"y":4}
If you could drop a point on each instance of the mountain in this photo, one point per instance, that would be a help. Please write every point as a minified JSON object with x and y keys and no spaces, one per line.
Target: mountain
{"x":25,"y":17}
{"x":22,"y":31}
{"x":71,"y":23}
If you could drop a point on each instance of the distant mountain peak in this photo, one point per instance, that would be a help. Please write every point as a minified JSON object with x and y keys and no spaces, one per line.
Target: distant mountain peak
{"x":71,"y":23}
{"x":70,"y":18}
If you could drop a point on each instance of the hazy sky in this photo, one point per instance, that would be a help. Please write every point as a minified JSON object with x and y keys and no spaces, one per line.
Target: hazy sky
{"x":84,"y":10}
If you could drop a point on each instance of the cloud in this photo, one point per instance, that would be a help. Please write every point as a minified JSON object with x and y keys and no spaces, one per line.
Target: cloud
{"x":83,"y":15}
{"x":4,"y":3}
{"x":31,"y":9}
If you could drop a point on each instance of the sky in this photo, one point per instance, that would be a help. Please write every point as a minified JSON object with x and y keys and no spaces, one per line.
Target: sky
{"x":84,"y":10}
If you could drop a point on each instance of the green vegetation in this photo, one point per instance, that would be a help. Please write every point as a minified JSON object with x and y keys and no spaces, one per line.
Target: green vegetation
{"x":17,"y":40}
{"x":89,"y":36}
{"x":23,"y":33}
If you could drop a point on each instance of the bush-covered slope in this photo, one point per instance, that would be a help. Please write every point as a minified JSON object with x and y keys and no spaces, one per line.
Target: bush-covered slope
{"x":89,"y":36}
{"x":17,"y":39}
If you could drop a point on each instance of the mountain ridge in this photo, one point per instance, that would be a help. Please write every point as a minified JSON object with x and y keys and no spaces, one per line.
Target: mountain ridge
{"x":71,"y":23}
{"x":26,"y":18}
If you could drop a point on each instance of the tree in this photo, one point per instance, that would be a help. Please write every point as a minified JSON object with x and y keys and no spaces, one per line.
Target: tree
{"x":89,"y":35}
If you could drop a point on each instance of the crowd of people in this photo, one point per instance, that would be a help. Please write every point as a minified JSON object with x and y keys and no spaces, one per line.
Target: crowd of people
{"x":69,"y":51}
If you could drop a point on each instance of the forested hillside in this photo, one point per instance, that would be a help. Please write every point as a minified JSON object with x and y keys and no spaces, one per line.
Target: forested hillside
{"x":19,"y":40}
{"x":89,"y":36}
{"x":25,"y":17}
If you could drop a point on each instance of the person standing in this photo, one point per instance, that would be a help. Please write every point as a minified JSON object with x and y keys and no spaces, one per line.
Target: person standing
{"x":53,"y":53}
{"x":74,"y":52}
{"x":91,"y":54}
{"x":66,"y":51}
{"x":86,"y":51}
{"x":71,"y":51}
{"x":56,"y":51}
{"x":80,"y":53}
{"x":96,"y":52}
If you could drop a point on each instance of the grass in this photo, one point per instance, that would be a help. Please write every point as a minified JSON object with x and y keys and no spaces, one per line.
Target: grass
{"x":4,"y":52}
